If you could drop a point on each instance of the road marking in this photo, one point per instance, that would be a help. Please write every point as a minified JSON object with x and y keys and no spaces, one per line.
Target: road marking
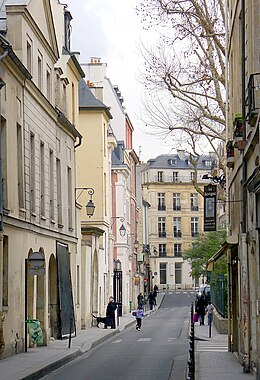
{"x":178,"y":292}
{"x":212,"y":347}
{"x":169,"y":339}
{"x":117,"y":341}
{"x":144,"y":340}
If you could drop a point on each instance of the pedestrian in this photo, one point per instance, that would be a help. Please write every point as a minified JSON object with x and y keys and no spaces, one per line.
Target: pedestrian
{"x":155,"y":292}
{"x":139,"y":316}
{"x":140,"y":299}
{"x":151,"y":300}
{"x":155,"y":289}
{"x":209,"y":310}
{"x":110,"y":314}
{"x":200,"y":309}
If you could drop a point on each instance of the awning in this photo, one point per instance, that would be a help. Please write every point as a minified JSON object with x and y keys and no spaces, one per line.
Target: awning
{"x":231,"y":241}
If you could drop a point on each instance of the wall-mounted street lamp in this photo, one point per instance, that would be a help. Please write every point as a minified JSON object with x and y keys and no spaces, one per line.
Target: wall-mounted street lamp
{"x":90,"y":206}
{"x":215,"y":179}
{"x":122,"y":229}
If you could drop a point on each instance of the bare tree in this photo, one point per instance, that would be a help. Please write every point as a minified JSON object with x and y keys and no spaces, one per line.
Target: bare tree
{"x":184,"y":72}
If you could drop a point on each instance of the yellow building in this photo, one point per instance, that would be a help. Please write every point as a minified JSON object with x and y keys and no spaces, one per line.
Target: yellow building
{"x":175,"y":216}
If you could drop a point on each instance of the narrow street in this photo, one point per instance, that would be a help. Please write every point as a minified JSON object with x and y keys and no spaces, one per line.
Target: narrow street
{"x":158,"y":351}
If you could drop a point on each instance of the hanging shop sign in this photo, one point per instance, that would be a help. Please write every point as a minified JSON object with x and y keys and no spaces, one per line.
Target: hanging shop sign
{"x":210,"y":203}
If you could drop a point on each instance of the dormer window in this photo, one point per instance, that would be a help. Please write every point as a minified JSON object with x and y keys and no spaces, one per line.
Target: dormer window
{"x":207,"y":163}
{"x":172,"y":161}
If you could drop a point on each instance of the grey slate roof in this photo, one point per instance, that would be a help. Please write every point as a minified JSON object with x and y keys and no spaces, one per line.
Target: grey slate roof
{"x":171,"y":161}
{"x":88,"y":101}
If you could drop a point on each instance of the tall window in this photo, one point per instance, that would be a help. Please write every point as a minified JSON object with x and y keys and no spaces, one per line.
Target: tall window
{"x":161,"y":227}
{"x":177,"y":227}
{"x":5,"y":277}
{"x":4,"y":162}
{"x":162,"y":250}
{"x":160,"y":176}
{"x":20,"y":166}
{"x":192,"y":176}
{"x":194,"y":226}
{"x":40,"y":71}
{"x":178,"y":273}
{"x":178,"y":250}
{"x":194,"y":202}
{"x":48,"y":82}
{"x":42,"y":178}
{"x":73,"y":102}
{"x":163,"y":273}
{"x":175,"y":176}
{"x":176,"y":201}
{"x":29,"y":55}
{"x":59,"y":198}
{"x":51,"y":179}
{"x":32,"y":172}
{"x":161,"y":201}
{"x":69,"y":199}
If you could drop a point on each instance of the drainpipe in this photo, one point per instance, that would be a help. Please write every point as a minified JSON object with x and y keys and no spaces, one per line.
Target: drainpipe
{"x":244,"y":251}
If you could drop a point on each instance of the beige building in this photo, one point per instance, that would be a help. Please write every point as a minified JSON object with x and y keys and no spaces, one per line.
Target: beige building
{"x":38,"y":142}
{"x":173,"y":210}
{"x":243,"y":182}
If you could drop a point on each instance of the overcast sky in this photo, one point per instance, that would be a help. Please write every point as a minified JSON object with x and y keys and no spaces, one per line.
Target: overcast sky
{"x":111,"y":30}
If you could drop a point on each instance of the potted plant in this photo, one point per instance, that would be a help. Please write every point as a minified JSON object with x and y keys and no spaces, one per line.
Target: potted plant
{"x":230,"y":154}
{"x":238,"y":127}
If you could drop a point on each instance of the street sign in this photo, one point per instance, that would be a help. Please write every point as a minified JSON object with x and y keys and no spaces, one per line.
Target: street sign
{"x":36,"y":264}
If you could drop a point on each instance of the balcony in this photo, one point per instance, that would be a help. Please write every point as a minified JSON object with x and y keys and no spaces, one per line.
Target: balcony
{"x":177,"y":234}
{"x":163,"y":254}
{"x":176,"y":208}
{"x":194,"y":208}
{"x":194,"y":234}
{"x":230,"y":154}
{"x":162,"y":234}
{"x":253,"y":98}
{"x":177,"y":254}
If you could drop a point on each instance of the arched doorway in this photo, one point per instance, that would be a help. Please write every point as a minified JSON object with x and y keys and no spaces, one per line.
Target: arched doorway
{"x":40,"y":301}
{"x":53,"y":320}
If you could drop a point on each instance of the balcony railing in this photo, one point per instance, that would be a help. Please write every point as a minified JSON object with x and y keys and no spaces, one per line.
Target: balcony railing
{"x":176,"y":208}
{"x":194,"y":234}
{"x":177,"y":234}
{"x":161,"y":207}
{"x":253,"y":98}
{"x":177,"y":254}
{"x":162,"y":254}
{"x":194,"y":208}
{"x":162,"y":234}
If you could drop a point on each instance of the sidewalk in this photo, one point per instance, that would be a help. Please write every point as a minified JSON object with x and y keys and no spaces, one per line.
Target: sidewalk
{"x":37,"y":362}
{"x":212,"y":359}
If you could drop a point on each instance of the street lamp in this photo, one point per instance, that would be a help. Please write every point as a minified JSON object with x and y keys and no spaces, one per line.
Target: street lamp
{"x":90,"y":206}
{"x":122,"y":229}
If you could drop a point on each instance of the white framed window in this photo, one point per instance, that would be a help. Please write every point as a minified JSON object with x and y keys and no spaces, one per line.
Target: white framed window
{"x":176,"y":201}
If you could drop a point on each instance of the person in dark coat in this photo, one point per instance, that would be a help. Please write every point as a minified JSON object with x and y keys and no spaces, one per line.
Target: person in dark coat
{"x":200,"y":309}
{"x":151,"y":300}
{"x":140,"y":299}
{"x":110,"y":314}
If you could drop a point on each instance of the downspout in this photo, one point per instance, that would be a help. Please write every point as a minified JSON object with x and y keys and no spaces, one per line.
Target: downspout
{"x":244,"y":253}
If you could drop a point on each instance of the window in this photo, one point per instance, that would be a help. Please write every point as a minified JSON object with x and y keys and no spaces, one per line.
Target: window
{"x":163,"y":273}
{"x":172,"y":161}
{"x":160,"y":176}
{"x":64,"y":98}
{"x":207,"y":163}
{"x":42,"y":178}
{"x":73,"y":103}
{"x":194,"y":227}
{"x":176,"y":201}
{"x":4,"y":162}
{"x":51,"y":179}
{"x":178,"y":250}
{"x":59,"y":199}
{"x":40,"y":71}
{"x":32,"y":172}
{"x":194,"y":202}
{"x":161,"y":227}
{"x":162,"y":250}
{"x":178,"y":273}
{"x":175,"y":176}
{"x":29,"y":55}
{"x":69,"y":198}
{"x":192,"y":176}
{"x":20,"y":166}
{"x":5,"y":272}
{"x":177,"y":227}
{"x":48,"y":83}
{"x":161,"y":201}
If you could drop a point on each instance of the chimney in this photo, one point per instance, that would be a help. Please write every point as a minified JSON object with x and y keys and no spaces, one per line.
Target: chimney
{"x":181,"y":154}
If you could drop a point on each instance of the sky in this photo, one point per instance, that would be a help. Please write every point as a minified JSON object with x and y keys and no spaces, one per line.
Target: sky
{"x":111,"y":30}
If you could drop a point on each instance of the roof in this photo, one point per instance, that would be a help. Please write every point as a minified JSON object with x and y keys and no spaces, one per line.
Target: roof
{"x":88,"y":101}
{"x":171,"y":161}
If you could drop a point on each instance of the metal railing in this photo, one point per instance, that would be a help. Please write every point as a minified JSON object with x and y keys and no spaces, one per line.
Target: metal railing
{"x":253,"y":96}
{"x":218,"y":294}
{"x":191,"y":360}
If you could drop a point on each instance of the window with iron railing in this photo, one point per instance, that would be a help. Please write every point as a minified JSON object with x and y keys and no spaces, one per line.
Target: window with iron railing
{"x":176,"y":199}
{"x":174,"y":176}
{"x":161,"y":227}
{"x":160,"y":176}
{"x":194,"y":202}
{"x":194,"y":226}
{"x":178,"y":250}
{"x":161,"y":202}
{"x":162,"y":250}
{"x":177,"y":227}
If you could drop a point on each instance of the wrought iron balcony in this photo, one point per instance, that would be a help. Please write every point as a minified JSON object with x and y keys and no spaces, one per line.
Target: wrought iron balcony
{"x":162,"y":234}
{"x":253,"y":98}
{"x":161,"y":207}
{"x":177,"y":234}
{"x":176,"y":208}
